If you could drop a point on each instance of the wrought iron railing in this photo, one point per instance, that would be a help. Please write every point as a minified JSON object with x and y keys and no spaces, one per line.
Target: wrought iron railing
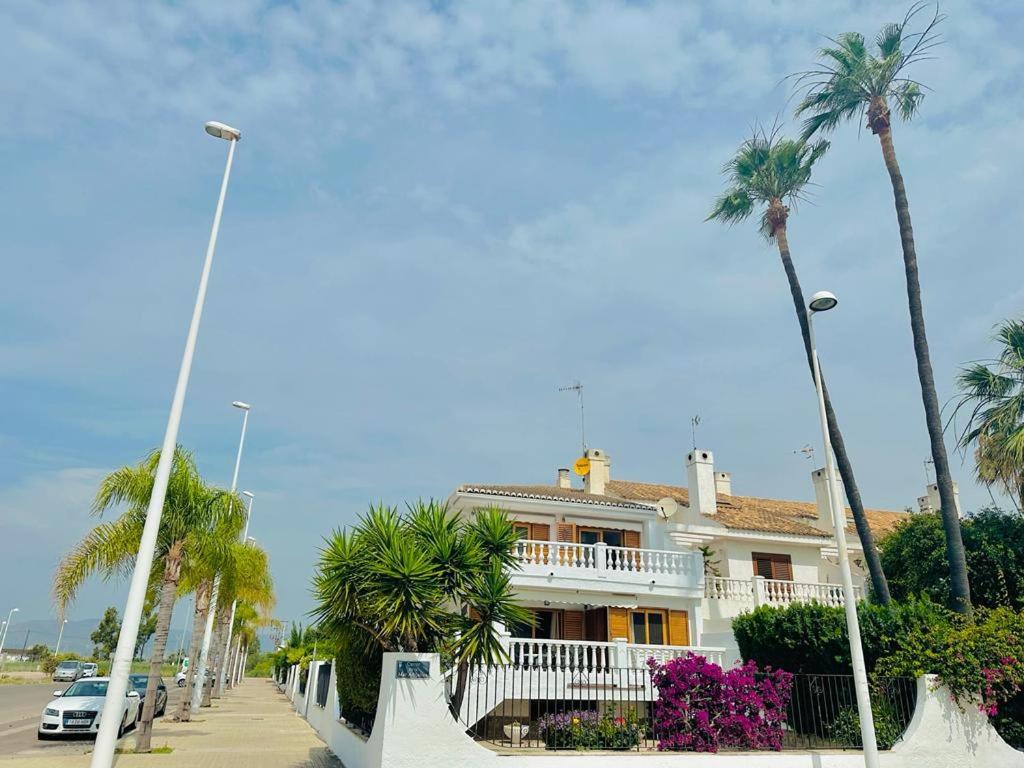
{"x":515,"y":707}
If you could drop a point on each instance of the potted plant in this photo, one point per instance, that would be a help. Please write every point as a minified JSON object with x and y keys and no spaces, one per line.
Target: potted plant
{"x":515,"y":732}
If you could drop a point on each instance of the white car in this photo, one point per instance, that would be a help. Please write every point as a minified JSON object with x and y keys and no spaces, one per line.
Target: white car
{"x":90,"y":668}
{"x":77,"y":710}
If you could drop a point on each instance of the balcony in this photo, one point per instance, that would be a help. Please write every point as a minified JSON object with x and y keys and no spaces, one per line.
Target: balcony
{"x":595,"y":656}
{"x":600,"y":566}
{"x":758,"y":590}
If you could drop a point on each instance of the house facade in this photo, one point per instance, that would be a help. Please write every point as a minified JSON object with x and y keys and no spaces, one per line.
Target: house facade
{"x":618,"y":571}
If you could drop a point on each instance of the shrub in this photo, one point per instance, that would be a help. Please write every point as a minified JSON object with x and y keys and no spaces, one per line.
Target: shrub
{"x":702,"y":708}
{"x":811,"y":638}
{"x":845,"y":729}
{"x":358,"y":678}
{"x":586,"y":729}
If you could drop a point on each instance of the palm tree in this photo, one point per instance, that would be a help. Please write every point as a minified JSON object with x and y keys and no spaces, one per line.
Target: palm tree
{"x":191,"y":509}
{"x":993,"y":391}
{"x":771,"y":171}
{"x":853,"y":81}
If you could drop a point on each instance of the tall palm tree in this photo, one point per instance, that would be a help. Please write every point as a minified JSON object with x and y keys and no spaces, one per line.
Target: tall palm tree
{"x":993,"y":392}
{"x":191,"y":510}
{"x":853,"y":81}
{"x":771,"y":172}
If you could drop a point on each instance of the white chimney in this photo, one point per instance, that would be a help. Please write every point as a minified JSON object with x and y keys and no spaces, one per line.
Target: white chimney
{"x":933,"y":499}
{"x":564,"y":481}
{"x":723,"y":484}
{"x":700,"y":481}
{"x":820,"y":480}
{"x":600,"y":471}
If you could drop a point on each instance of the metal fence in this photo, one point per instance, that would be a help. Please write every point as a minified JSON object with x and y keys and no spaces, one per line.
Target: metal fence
{"x":323,"y":682}
{"x":512,"y":706}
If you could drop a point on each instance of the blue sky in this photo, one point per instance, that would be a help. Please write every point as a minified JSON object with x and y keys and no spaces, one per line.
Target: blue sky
{"x":440,"y":213}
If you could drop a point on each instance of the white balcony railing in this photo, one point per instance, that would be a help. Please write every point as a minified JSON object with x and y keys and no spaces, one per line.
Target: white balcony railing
{"x":761,"y":591}
{"x":594,"y":656}
{"x":601,"y":557}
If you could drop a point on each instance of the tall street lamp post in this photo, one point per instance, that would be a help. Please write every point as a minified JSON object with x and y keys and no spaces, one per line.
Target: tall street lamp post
{"x":60,"y":636}
{"x":110,"y":719}
{"x":7,"y":627}
{"x":226,"y":657}
{"x":204,"y":650}
{"x":822,"y":302}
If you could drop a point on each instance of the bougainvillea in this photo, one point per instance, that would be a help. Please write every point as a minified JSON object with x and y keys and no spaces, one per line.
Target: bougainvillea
{"x":703,"y":708}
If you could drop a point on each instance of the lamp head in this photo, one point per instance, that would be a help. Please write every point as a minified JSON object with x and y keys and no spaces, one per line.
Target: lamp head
{"x":822,"y":301}
{"x":240,"y":404}
{"x":223,"y":131}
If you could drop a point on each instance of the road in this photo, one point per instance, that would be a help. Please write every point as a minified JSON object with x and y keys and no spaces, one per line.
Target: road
{"x":20,"y":708}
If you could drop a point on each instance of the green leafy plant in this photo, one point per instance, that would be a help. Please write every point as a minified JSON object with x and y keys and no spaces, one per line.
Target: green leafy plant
{"x":845,"y":729}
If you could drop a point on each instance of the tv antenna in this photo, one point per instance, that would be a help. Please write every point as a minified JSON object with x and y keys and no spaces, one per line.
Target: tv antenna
{"x":929,"y":465}
{"x":807,"y":451}
{"x":577,"y":387}
{"x":694,"y":423}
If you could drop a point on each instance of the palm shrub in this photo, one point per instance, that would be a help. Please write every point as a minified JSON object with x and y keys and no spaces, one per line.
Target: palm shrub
{"x":192,"y":510}
{"x":854,"y":81}
{"x":770,"y":173}
{"x":425,"y":580}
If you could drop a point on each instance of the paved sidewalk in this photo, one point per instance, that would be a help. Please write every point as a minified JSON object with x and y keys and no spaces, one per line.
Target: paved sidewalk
{"x":252,"y":726}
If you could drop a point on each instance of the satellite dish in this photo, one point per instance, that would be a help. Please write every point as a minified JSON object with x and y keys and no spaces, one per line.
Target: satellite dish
{"x":667,"y":507}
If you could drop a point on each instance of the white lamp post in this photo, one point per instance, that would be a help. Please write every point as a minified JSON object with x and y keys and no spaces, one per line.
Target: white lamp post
{"x":234,"y":603}
{"x":823,"y":301}
{"x":60,"y":636}
{"x":204,"y":651}
{"x":7,"y":627}
{"x":110,"y":719}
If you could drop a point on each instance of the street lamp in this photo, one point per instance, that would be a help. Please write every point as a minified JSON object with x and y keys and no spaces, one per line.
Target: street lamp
{"x":225,"y":659}
{"x":823,"y":301}
{"x":60,"y":636}
{"x":106,"y":737}
{"x":7,"y":627}
{"x":204,"y":650}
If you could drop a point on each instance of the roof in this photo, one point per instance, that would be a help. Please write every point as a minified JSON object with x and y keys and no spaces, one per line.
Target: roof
{"x":745,"y":513}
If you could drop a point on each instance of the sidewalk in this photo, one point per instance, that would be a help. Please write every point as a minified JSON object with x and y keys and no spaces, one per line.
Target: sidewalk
{"x":252,"y":726}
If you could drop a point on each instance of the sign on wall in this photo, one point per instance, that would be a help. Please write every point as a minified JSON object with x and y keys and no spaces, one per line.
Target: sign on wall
{"x":414,"y":670}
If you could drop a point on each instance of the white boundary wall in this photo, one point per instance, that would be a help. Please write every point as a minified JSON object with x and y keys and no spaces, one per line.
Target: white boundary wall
{"x":414,"y":729}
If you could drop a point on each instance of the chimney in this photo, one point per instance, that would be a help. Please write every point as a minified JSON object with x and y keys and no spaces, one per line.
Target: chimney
{"x":933,"y":499}
{"x":564,"y":481}
{"x":700,"y":481}
{"x":723,"y":484}
{"x":600,"y":471}
{"x":820,"y":480}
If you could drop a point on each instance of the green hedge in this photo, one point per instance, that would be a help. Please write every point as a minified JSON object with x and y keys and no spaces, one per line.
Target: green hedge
{"x":358,"y":679}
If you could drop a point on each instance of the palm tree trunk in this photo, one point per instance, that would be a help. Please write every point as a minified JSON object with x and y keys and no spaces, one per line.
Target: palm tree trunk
{"x":220,"y":664}
{"x":960,"y":588}
{"x":184,"y":713}
{"x":212,"y":691}
{"x":879,"y":584}
{"x":168,"y":592}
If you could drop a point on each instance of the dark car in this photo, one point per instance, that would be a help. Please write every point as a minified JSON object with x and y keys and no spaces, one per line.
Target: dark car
{"x":138,"y":683}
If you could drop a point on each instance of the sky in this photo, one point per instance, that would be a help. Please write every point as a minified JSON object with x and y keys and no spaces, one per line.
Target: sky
{"x":439,"y":214}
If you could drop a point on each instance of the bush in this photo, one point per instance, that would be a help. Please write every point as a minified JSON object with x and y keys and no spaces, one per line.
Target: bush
{"x":811,"y":638}
{"x":585,"y":729}
{"x":702,"y":708}
{"x":845,"y":729}
{"x":358,"y":678}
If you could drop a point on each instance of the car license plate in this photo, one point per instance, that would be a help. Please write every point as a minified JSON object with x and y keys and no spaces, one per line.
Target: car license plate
{"x":77,"y":721}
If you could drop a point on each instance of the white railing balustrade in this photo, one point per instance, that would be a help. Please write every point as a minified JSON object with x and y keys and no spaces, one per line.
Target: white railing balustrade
{"x":601,"y":557}
{"x":594,"y":656}
{"x":762,"y":591}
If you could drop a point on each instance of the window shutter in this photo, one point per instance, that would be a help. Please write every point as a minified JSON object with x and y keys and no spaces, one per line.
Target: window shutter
{"x":540,"y":531}
{"x":763,"y":565}
{"x":572,"y":625}
{"x":678,"y":628}
{"x":782,"y":567}
{"x":618,"y":623}
{"x":631,"y":539}
{"x":566,"y":532}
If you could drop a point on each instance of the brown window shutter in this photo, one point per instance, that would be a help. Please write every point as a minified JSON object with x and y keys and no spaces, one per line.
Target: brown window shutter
{"x":540,"y":531}
{"x":596,"y":625}
{"x":782,"y":567}
{"x":474,"y":615}
{"x":618,"y":623}
{"x":566,"y":532}
{"x":762,"y":565}
{"x":572,"y":625}
{"x":678,"y":628}
{"x":631,"y":539}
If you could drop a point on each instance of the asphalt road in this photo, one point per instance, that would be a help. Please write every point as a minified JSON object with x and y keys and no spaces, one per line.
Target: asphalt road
{"x":20,"y":709}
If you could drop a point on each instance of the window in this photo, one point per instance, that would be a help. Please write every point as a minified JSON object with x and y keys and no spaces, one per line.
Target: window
{"x":593,"y":535}
{"x":523,"y":530}
{"x":544,"y":627}
{"x":773,"y":566}
{"x":647,"y":627}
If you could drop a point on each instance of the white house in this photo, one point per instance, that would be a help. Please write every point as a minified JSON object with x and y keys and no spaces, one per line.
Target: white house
{"x":614,"y":574}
